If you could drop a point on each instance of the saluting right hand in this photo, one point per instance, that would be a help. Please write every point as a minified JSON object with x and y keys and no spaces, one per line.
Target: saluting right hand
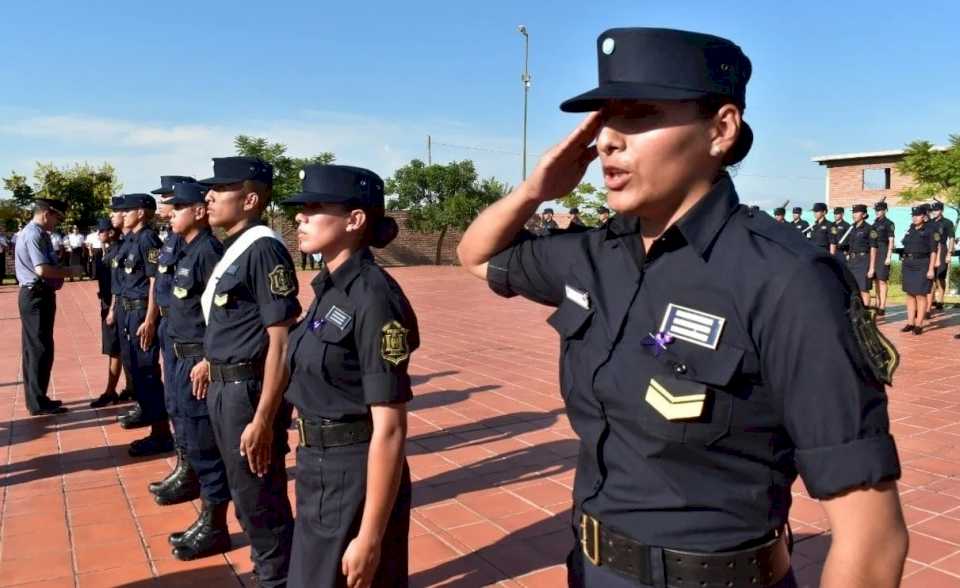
{"x":562,"y":167}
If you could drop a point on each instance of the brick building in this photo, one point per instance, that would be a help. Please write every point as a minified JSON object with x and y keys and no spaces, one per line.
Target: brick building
{"x":855,"y":178}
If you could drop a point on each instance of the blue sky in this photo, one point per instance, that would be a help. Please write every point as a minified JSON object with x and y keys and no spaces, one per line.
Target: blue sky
{"x":159,"y":88}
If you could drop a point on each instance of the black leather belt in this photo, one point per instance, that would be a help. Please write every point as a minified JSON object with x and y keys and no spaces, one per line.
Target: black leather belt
{"x":333,"y":433}
{"x":858,"y":253}
{"x":756,"y":567}
{"x":234,"y":372}
{"x":915,"y":255}
{"x":133,"y":303}
{"x":164,"y":311}
{"x":187,"y":350}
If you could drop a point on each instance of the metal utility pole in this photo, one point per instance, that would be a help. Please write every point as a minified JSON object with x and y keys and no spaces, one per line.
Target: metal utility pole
{"x":429,"y":150}
{"x":526,"y":90}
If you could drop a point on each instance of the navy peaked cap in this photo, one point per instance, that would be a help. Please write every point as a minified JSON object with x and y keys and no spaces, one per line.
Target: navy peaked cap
{"x":230,"y":170}
{"x":339,"y":184}
{"x":168,"y":182}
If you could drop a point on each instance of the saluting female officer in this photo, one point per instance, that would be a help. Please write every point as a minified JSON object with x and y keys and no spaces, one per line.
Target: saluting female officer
{"x":690,"y":368}
{"x":919,"y":257}
{"x":348,"y":379}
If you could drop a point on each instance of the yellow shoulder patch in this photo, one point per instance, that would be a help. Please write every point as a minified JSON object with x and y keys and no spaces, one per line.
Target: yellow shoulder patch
{"x":153,"y":255}
{"x":936,"y":236}
{"x":282,"y":280}
{"x":874,"y":234}
{"x":393,"y":343}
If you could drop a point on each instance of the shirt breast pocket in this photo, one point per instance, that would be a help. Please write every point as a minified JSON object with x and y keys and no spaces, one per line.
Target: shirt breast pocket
{"x":690,"y":401}
{"x":572,"y":321}
{"x":341,"y":365}
{"x":228,"y":297}
{"x":182,"y":285}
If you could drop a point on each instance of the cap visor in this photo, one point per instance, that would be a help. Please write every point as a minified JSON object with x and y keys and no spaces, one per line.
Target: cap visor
{"x":301,"y":198}
{"x":176,"y":201}
{"x":596,"y":98}
{"x":220,"y":181}
{"x":162,"y":191}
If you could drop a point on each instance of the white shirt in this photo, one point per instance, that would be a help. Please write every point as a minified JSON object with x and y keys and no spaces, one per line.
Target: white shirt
{"x":75,"y":240}
{"x":93,"y":240}
{"x":56,"y":240}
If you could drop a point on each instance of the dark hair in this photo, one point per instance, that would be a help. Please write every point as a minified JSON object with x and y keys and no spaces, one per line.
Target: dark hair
{"x":381,"y":229}
{"x":712,"y":104}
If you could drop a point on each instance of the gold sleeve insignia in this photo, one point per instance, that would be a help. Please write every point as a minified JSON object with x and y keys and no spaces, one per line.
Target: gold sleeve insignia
{"x":153,"y":255}
{"x":936,"y":236}
{"x":833,"y":230}
{"x":393,"y":343}
{"x":282,"y":280}
{"x":874,"y":234}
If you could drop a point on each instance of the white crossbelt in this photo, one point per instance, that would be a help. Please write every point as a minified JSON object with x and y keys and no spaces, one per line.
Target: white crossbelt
{"x":236,"y":249}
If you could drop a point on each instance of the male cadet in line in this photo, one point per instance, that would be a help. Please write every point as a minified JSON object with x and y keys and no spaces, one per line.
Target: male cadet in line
{"x":250,"y":302}
{"x":798,"y":222}
{"x":779,"y":214}
{"x":839,"y":234}
{"x":198,"y":255}
{"x":138,"y":313}
{"x":603,"y":217}
{"x":39,"y":277}
{"x":885,"y":246}
{"x":576,"y":224}
{"x":821,"y":230}
{"x":548,"y":225}
{"x":947,"y":231}
{"x":181,"y":484}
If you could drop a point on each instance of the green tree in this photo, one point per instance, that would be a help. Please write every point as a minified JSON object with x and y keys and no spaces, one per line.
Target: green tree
{"x":85,"y":188}
{"x":440,"y":197}
{"x":286,"y":169}
{"x":935,"y":171}
{"x":586,"y":197}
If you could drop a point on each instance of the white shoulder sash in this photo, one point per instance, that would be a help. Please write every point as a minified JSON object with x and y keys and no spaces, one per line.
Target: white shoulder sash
{"x":236,"y":249}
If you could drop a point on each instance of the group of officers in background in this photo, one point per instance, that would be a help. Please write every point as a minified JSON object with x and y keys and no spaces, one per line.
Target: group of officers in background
{"x":868,"y":249}
{"x":217,"y":316}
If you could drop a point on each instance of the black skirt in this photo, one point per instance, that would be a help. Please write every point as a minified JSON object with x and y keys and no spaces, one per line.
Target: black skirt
{"x":109,"y":336}
{"x":859,"y":265}
{"x":915,"y":280}
{"x":883,"y":270}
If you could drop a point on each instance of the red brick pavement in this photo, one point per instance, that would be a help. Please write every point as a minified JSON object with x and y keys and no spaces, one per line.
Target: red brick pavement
{"x":491,"y":452}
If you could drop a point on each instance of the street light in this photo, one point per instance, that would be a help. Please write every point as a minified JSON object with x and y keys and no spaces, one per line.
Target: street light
{"x":526,"y":90}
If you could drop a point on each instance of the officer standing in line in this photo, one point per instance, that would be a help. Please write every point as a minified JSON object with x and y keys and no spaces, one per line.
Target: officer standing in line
{"x":603,"y":217}
{"x":250,"y":303}
{"x":821,"y":231}
{"x":548,"y":225}
{"x":839,"y":234}
{"x":779,"y":214}
{"x":919,"y":258}
{"x":4,"y":247}
{"x":108,"y":235}
{"x":349,"y":382}
{"x":947,"y":231}
{"x":798,"y":222}
{"x":138,"y":316}
{"x":198,"y":254}
{"x":39,"y":276}
{"x":862,"y":257}
{"x":683,"y":327}
{"x":885,"y":244}
{"x":181,"y":484}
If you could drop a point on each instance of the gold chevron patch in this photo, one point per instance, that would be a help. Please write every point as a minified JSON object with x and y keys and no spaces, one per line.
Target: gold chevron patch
{"x":674,"y":408}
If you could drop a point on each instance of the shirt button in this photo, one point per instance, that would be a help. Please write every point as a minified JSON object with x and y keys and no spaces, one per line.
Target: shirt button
{"x":680,"y":368}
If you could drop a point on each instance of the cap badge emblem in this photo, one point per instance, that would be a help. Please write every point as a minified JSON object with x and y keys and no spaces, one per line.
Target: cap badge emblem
{"x":608,"y":46}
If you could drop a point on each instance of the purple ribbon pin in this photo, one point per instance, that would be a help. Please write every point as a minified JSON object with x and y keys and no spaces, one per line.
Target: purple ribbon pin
{"x":317,"y":324}
{"x":659,"y":342}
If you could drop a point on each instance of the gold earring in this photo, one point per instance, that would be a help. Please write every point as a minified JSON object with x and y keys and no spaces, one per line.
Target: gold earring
{"x":714,"y":151}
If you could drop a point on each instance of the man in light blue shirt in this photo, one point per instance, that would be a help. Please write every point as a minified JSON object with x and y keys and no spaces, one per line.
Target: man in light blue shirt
{"x":36,"y":266}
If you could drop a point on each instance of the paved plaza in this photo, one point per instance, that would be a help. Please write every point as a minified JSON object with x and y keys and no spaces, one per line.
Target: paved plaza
{"x":491,"y":452}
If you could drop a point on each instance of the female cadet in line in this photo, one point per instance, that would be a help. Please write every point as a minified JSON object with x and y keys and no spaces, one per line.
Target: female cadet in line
{"x":690,"y":369}
{"x":862,"y":256}
{"x":104,"y":267}
{"x":885,"y":236}
{"x":348,"y":363}
{"x":919,"y":257}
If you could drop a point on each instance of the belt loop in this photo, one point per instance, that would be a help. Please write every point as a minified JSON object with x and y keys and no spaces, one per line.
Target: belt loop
{"x":658,"y":574}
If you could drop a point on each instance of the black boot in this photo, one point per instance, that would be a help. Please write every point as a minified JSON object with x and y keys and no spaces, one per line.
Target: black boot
{"x":179,"y":538}
{"x":126,"y":395}
{"x":155,"y":487}
{"x":135,"y":419}
{"x":210,"y":538}
{"x":183,"y":488}
{"x":134,"y":413}
{"x":159,"y":441}
{"x":105,"y":399}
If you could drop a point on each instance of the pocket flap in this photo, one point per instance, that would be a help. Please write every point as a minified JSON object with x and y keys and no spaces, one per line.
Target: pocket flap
{"x":715,"y":367}
{"x":569,"y":318}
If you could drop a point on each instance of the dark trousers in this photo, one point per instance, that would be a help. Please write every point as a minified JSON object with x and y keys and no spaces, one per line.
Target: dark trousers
{"x":331,"y":492}
{"x":38,"y":307}
{"x":3,"y":267}
{"x":306,"y":258}
{"x":197,"y":432}
{"x":169,"y":387}
{"x":142,"y":366}
{"x":262,"y":505}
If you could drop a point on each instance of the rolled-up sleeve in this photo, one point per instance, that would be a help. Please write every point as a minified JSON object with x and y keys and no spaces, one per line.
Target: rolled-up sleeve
{"x":274,"y":282}
{"x":387,"y":334}
{"x":533,"y":267}
{"x":833,"y":407}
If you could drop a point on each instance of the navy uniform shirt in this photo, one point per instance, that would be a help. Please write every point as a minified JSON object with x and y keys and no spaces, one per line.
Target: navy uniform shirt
{"x":138,"y":259}
{"x":694,"y":444}
{"x":945,"y":227}
{"x":105,"y":270}
{"x":801,"y":225}
{"x":885,"y":231}
{"x":862,"y":238}
{"x":116,"y":269}
{"x":169,"y":253}
{"x":196,"y":261}
{"x":922,"y":240}
{"x":837,"y":233}
{"x":353,"y":348}
{"x":821,"y":233}
{"x":257,"y":291}
{"x":34,"y":247}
